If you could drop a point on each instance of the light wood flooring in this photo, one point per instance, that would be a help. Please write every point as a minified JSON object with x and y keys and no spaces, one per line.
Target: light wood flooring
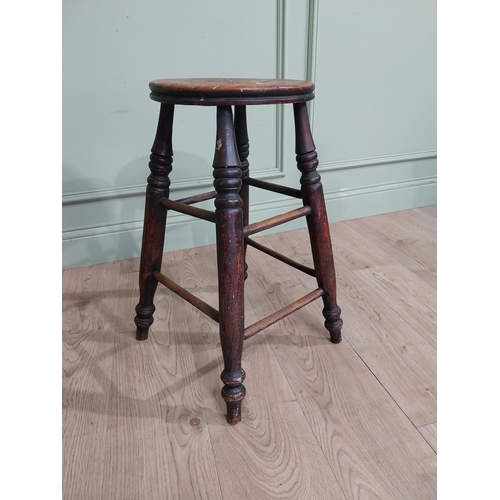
{"x":145,"y":420}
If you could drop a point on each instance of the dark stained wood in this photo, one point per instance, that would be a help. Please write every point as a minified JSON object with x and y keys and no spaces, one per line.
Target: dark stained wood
{"x":190,"y":200}
{"x":317,"y":220}
{"x":282,"y":258}
{"x":230,"y":261}
{"x":276,"y":188}
{"x":231,"y":216}
{"x":256,"y":227}
{"x":188,"y":296}
{"x":155,"y":217}
{"x":183,"y":208}
{"x":241,"y":133}
{"x":282,"y":313}
{"x":222,"y":87}
{"x":229,"y":92}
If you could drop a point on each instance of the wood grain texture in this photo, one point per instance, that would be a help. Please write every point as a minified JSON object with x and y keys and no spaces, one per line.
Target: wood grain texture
{"x":86,"y":369}
{"x":140,"y":430}
{"x":230,"y":86}
{"x":406,"y":248}
{"x":355,"y":251}
{"x":226,"y":91}
{"x":430,"y":434}
{"x":430,"y":212}
{"x":421,"y":223}
{"x":350,"y":421}
{"x":344,"y":403}
{"x":158,"y":442}
{"x":412,"y":298}
{"x":272,"y":453}
{"x":396,"y":354}
{"x":296,"y":246}
{"x":381,"y":330}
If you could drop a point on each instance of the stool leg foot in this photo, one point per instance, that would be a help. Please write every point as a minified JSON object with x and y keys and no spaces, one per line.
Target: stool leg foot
{"x":155,"y":217}
{"x":233,"y":394}
{"x":233,"y":413}
{"x":317,"y":221}
{"x":143,"y":320}
{"x":230,"y":261}
{"x":333,"y":324}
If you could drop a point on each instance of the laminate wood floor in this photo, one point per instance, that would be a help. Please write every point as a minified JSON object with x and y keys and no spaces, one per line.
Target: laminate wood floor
{"x":357,"y":420}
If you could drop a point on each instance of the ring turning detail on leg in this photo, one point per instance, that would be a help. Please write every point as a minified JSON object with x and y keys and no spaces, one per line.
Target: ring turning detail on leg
{"x":232,"y":181}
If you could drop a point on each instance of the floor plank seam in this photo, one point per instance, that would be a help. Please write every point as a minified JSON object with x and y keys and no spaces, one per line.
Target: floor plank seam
{"x":420,"y":265}
{"x":385,"y":389}
{"x":317,"y":423}
{"x":308,"y":423}
{"x":381,"y":296}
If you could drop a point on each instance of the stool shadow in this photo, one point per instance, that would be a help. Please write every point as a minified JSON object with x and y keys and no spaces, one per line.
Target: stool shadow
{"x":118,"y":334}
{"x":114,"y":402}
{"x":115,"y":338}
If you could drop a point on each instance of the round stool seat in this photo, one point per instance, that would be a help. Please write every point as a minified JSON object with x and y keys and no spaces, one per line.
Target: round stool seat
{"x":230,"y":91}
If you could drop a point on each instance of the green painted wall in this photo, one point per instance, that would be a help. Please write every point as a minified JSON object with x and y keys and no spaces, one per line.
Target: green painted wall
{"x":374,"y":117}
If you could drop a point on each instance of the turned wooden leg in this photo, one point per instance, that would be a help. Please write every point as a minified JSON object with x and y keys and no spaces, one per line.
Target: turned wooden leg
{"x":317,"y":220}
{"x":240,"y":129}
{"x":155,"y":216}
{"x":230,"y":261}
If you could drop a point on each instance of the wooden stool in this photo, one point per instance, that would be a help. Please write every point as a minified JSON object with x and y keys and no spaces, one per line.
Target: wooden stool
{"x":232,"y":181}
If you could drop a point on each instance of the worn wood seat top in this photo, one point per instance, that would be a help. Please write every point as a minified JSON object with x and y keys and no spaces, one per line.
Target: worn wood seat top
{"x":230,"y":91}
